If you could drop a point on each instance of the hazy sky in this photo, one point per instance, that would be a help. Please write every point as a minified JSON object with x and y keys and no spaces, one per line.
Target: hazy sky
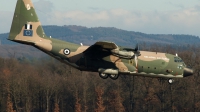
{"x":147,"y":16}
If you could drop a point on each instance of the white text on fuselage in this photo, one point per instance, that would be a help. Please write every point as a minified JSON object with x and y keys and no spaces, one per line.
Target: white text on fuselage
{"x":153,"y":57}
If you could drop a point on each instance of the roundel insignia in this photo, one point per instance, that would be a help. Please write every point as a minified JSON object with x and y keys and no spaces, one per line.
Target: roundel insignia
{"x":66,"y":51}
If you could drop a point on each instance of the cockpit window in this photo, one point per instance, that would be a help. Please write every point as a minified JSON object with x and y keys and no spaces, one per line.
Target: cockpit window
{"x":177,"y":59}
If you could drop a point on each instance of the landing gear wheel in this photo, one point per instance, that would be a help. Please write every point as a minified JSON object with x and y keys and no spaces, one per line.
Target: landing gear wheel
{"x":170,"y":81}
{"x":103,"y":75}
{"x":114,"y":76}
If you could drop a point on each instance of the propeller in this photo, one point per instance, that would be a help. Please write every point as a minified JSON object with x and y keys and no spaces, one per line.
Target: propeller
{"x":136,"y":47}
{"x":137,"y":53}
{"x":136,"y":50}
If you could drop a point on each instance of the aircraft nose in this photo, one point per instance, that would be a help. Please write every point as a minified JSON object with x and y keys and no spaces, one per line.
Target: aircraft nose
{"x":187,"y":72}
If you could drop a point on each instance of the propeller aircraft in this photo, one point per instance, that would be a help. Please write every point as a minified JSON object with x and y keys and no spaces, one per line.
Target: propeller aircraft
{"x":106,"y":58}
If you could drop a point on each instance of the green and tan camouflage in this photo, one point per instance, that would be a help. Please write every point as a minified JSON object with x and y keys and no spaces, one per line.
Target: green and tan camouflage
{"x":104,"y":57}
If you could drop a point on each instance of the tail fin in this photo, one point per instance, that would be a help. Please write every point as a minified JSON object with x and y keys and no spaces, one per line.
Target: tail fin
{"x":26,"y":27}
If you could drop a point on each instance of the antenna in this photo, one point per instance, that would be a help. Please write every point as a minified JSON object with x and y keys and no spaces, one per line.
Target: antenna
{"x":81,"y":44}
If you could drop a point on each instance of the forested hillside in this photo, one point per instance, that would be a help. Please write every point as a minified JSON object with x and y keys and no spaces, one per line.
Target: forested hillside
{"x":33,"y":82}
{"x":78,"y":34}
{"x":3,"y":39}
{"x":89,"y":36}
{"x":46,"y":85}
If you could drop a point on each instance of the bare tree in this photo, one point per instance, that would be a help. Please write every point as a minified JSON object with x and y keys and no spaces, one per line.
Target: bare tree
{"x":77,"y":105}
{"x":99,"y":103}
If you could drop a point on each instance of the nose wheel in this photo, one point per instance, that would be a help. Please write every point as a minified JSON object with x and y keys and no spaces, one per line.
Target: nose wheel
{"x":170,"y":81}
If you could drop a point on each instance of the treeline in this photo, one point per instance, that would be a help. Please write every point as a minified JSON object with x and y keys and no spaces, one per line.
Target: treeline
{"x":47,"y":85}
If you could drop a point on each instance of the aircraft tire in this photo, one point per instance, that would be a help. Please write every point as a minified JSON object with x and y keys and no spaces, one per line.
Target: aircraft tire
{"x":103,"y":75}
{"x":170,"y":81}
{"x":114,"y":77}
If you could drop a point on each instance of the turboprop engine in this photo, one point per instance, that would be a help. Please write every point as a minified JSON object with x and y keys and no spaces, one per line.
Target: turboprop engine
{"x":127,"y":53}
{"x":123,"y":54}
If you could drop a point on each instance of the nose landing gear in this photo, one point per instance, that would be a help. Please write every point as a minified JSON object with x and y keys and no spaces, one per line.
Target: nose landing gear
{"x":170,"y":81}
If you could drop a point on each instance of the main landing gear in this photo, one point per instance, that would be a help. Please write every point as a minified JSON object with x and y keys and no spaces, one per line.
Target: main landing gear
{"x":112,"y":76}
{"x":103,"y":75}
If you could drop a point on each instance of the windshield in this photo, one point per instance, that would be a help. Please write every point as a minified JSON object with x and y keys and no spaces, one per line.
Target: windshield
{"x":177,"y":59}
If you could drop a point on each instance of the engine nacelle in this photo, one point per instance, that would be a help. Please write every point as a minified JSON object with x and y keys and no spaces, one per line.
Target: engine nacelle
{"x":123,"y":54}
{"x":108,"y":71}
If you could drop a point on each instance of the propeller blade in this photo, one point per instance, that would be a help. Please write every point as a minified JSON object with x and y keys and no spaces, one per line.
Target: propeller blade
{"x":136,"y":60}
{"x":136,"y":47}
{"x":137,"y":51}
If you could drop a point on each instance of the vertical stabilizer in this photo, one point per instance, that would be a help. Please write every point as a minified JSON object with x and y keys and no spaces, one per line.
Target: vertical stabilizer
{"x":26,"y":27}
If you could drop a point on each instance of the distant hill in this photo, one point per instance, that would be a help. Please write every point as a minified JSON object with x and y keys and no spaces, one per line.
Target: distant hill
{"x":3,"y":39}
{"x":88,"y":36}
{"x":16,"y":51}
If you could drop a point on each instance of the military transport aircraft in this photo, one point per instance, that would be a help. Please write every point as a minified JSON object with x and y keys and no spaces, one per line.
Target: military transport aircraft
{"x":106,"y":58}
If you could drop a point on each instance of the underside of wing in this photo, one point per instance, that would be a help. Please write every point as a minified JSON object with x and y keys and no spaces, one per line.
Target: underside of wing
{"x":109,"y":48}
{"x":102,"y":46}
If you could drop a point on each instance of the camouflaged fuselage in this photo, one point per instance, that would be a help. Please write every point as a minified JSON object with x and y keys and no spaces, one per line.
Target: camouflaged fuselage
{"x":26,"y":28}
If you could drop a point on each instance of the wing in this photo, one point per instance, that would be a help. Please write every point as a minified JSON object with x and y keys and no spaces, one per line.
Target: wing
{"x":102,"y":46}
{"x":108,"y":48}
{"x":107,"y":45}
